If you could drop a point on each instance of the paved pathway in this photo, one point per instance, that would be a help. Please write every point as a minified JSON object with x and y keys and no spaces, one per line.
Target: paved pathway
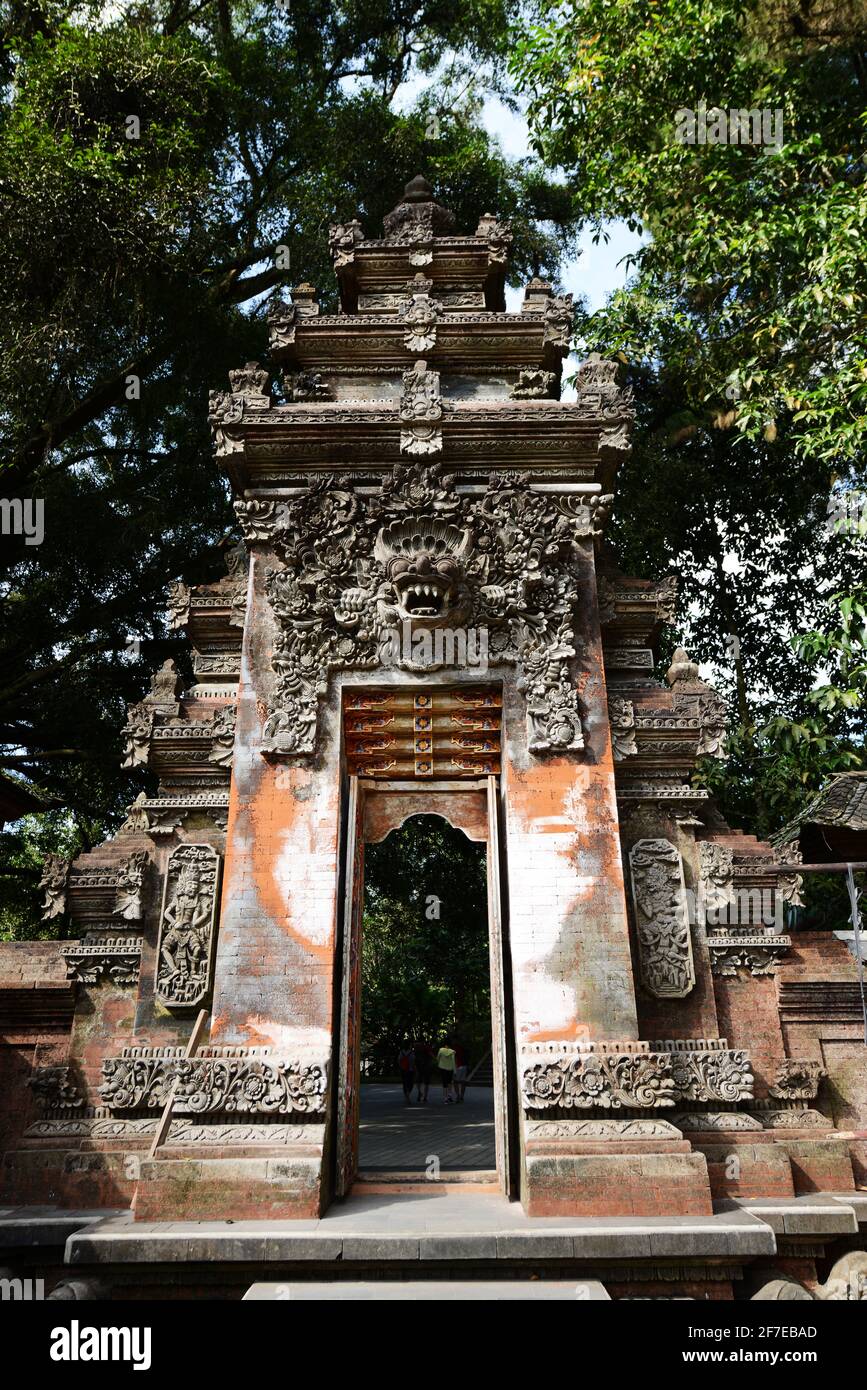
{"x":395,"y":1137}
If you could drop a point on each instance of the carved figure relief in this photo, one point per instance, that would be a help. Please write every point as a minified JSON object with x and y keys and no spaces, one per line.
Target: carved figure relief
{"x":187,"y":926}
{"x":130,"y":879}
{"x":662,"y":919}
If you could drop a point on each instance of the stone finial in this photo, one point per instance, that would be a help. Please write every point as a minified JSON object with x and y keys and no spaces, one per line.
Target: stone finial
{"x":536,"y":295}
{"x":304,"y":299}
{"x":417,"y":217}
{"x":681,"y":668}
{"x":166,"y":686}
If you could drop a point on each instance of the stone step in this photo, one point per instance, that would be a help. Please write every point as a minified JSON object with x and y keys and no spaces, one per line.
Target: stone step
{"x":432,"y":1290}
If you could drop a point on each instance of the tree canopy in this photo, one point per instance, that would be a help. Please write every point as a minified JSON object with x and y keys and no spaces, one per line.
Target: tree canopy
{"x":164,"y":166}
{"x":743,"y":328}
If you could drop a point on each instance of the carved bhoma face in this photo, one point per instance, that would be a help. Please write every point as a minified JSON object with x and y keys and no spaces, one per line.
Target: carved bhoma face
{"x":423,"y":558}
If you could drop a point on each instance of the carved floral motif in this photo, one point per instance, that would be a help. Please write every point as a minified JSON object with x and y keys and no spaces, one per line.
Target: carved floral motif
{"x":610,"y":1082}
{"x":213,"y":1085}
{"x":56,"y":1088}
{"x":621,"y":716}
{"x":797,"y":1080}
{"x":55,"y":876}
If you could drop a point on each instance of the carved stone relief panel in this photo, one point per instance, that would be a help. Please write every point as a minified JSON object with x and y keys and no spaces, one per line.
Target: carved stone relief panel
{"x":358,"y":568}
{"x":187,"y":926}
{"x":661,"y":919}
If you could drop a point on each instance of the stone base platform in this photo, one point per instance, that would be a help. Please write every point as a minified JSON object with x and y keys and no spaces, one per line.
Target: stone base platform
{"x":446,"y":1235}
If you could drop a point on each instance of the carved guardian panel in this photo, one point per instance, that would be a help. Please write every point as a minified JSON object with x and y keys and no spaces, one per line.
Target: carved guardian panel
{"x":187,"y":926}
{"x":661,"y":919}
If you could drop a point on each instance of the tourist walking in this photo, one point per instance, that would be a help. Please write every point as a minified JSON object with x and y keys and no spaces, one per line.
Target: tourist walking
{"x":462,"y":1064}
{"x":424,"y":1065}
{"x":406,"y":1065}
{"x":446,"y":1064}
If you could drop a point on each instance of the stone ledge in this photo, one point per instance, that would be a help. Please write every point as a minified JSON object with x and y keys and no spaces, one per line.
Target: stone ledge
{"x":819,"y":1214}
{"x":41,"y":1226}
{"x":478,"y":1229}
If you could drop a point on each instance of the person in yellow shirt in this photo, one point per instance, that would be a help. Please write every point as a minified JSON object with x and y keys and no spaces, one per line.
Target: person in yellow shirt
{"x":446,"y":1063}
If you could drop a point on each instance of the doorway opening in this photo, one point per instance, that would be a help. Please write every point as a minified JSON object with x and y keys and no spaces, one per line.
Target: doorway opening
{"x":423,"y":962}
{"x":426,"y":1102}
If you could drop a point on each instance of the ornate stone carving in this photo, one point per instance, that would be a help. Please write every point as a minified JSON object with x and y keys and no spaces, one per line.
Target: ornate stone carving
{"x":137,"y":817}
{"x":607,"y":1081}
{"x":795,"y":1119}
{"x":683,"y":671}
{"x":621,"y":716}
{"x":343,"y":237}
{"x":215,"y":1085}
{"x":130,"y":880}
{"x":789,"y":885}
{"x":717,"y":1075}
{"x":166,"y":687}
{"x":662,"y":919}
{"x":533,"y":385}
{"x":420,"y":314}
{"x":223,"y":737}
{"x":498,"y":235}
{"x":847,"y":1282}
{"x":759,"y":954}
{"x":716,"y":873}
{"x":306,"y":386}
{"x":713,"y":716}
{"x":249,"y":380}
{"x":797,"y":1080}
{"x":178,"y":604}
{"x":559,"y":322}
{"x":256,"y":518}
{"x":56,"y":1088}
{"x":601,"y":1129}
{"x":357,"y":565}
{"x":421,"y":412}
{"x":116,"y":958}
{"x":598,"y":388}
{"x":187,"y":926}
{"x":282,"y":324}
{"x":137,"y":735}
{"x":715,"y":1121}
{"x":55,"y":876}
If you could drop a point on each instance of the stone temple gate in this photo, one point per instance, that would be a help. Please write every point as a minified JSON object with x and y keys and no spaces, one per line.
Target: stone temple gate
{"x":421,"y":617}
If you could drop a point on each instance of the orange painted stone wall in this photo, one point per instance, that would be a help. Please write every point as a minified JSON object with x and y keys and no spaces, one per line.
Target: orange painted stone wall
{"x":567,"y":912}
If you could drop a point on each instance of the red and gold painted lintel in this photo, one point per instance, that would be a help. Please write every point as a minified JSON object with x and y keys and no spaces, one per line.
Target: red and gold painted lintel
{"x":410,"y":733}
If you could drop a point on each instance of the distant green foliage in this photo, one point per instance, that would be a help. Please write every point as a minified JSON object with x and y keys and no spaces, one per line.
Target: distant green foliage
{"x":425,"y":961}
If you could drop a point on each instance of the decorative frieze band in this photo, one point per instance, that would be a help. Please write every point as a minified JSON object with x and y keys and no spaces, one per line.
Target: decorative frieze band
{"x":633,"y":1075}
{"x":759,"y":954}
{"x":214,"y":1085}
{"x":115,"y":958}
